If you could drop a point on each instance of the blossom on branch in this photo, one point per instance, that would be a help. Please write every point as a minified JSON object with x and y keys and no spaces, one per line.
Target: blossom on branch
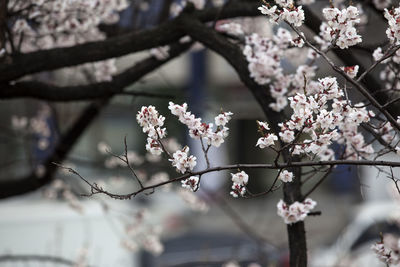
{"x":151,"y":122}
{"x":393,"y":17}
{"x":182,"y":161}
{"x":340,"y":28}
{"x":239,"y":179}
{"x":191,"y":183}
{"x":286,"y":176}
{"x":351,"y":71}
{"x":201,"y":130}
{"x":388,"y":250}
{"x":295,"y":212}
{"x":286,"y":11}
{"x":267,"y":141}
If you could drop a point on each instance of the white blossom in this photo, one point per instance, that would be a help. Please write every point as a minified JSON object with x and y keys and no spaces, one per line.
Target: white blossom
{"x":267,"y":141}
{"x":295,"y":212}
{"x":191,"y":183}
{"x":240,"y":178}
{"x":182,"y":161}
{"x":286,"y":176}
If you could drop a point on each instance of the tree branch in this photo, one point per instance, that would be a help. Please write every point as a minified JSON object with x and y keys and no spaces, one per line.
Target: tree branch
{"x":93,"y":91}
{"x":166,"y":33}
{"x":95,"y":189}
{"x":348,"y":57}
{"x":32,"y":182}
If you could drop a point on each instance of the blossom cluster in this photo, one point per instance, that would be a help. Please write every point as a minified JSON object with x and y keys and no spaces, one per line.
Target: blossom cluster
{"x":239,"y":179}
{"x":351,"y":71}
{"x":268,"y":139}
{"x":393,"y":17}
{"x":295,"y":212}
{"x":284,"y":10}
{"x":182,"y":161}
{"x":263,"y":55}
{"x":201,"y":130}
{"x":340,"y":27}
{"x":286,"y":176}
{"x":326,"y":116}
{"x":388,"y":250}
{"x":151,"y":122}
{"x":40,"y":24}
{"x":191,"y":183}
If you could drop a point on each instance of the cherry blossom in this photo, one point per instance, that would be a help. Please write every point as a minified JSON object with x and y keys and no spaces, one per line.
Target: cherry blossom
{"x":151,"y":122}
{"x":393,"y":17}
{"x":286,"y":176}
{"x":182,"y":161}
{"x":340,"y":28}
{"x":239,"y":179}
{"x":191,"y":183}
{"x":267,"y":141}
{"x":286,"y":11}
{"x":351,"y":71}
{"x":201,"y":130}
{"x":295,"y":212}
{"x":387,"y":250}
{"x":263,"y":125}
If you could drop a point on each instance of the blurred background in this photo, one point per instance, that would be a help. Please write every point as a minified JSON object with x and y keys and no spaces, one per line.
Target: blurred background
{"x":56,"y":226}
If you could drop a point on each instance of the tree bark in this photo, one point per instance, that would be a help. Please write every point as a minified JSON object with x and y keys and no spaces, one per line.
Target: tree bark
{"x":296,"y":232}
{"x":3,"y":23}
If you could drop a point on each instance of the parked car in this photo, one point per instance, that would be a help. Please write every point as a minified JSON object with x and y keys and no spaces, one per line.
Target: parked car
{"x":353,"y":246}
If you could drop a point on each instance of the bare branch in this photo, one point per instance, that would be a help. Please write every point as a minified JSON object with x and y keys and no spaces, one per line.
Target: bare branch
{"x":95,"y":189}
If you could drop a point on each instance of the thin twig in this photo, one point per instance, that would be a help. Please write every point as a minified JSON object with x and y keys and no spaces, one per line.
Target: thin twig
{"x":95,"y":189}
{"x":129,"y":165}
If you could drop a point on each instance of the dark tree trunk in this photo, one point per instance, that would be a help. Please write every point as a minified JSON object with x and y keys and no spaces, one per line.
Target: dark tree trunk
{"x":296,"y":232}
{"x":297,"y":244}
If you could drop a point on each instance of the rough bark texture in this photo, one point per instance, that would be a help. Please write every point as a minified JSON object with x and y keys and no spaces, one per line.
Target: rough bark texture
{"x":3,"y":23}
{"x":296,"y":232}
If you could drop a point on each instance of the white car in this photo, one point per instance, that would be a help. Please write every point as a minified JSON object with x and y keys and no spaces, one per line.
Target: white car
{"x":353,"y":247}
